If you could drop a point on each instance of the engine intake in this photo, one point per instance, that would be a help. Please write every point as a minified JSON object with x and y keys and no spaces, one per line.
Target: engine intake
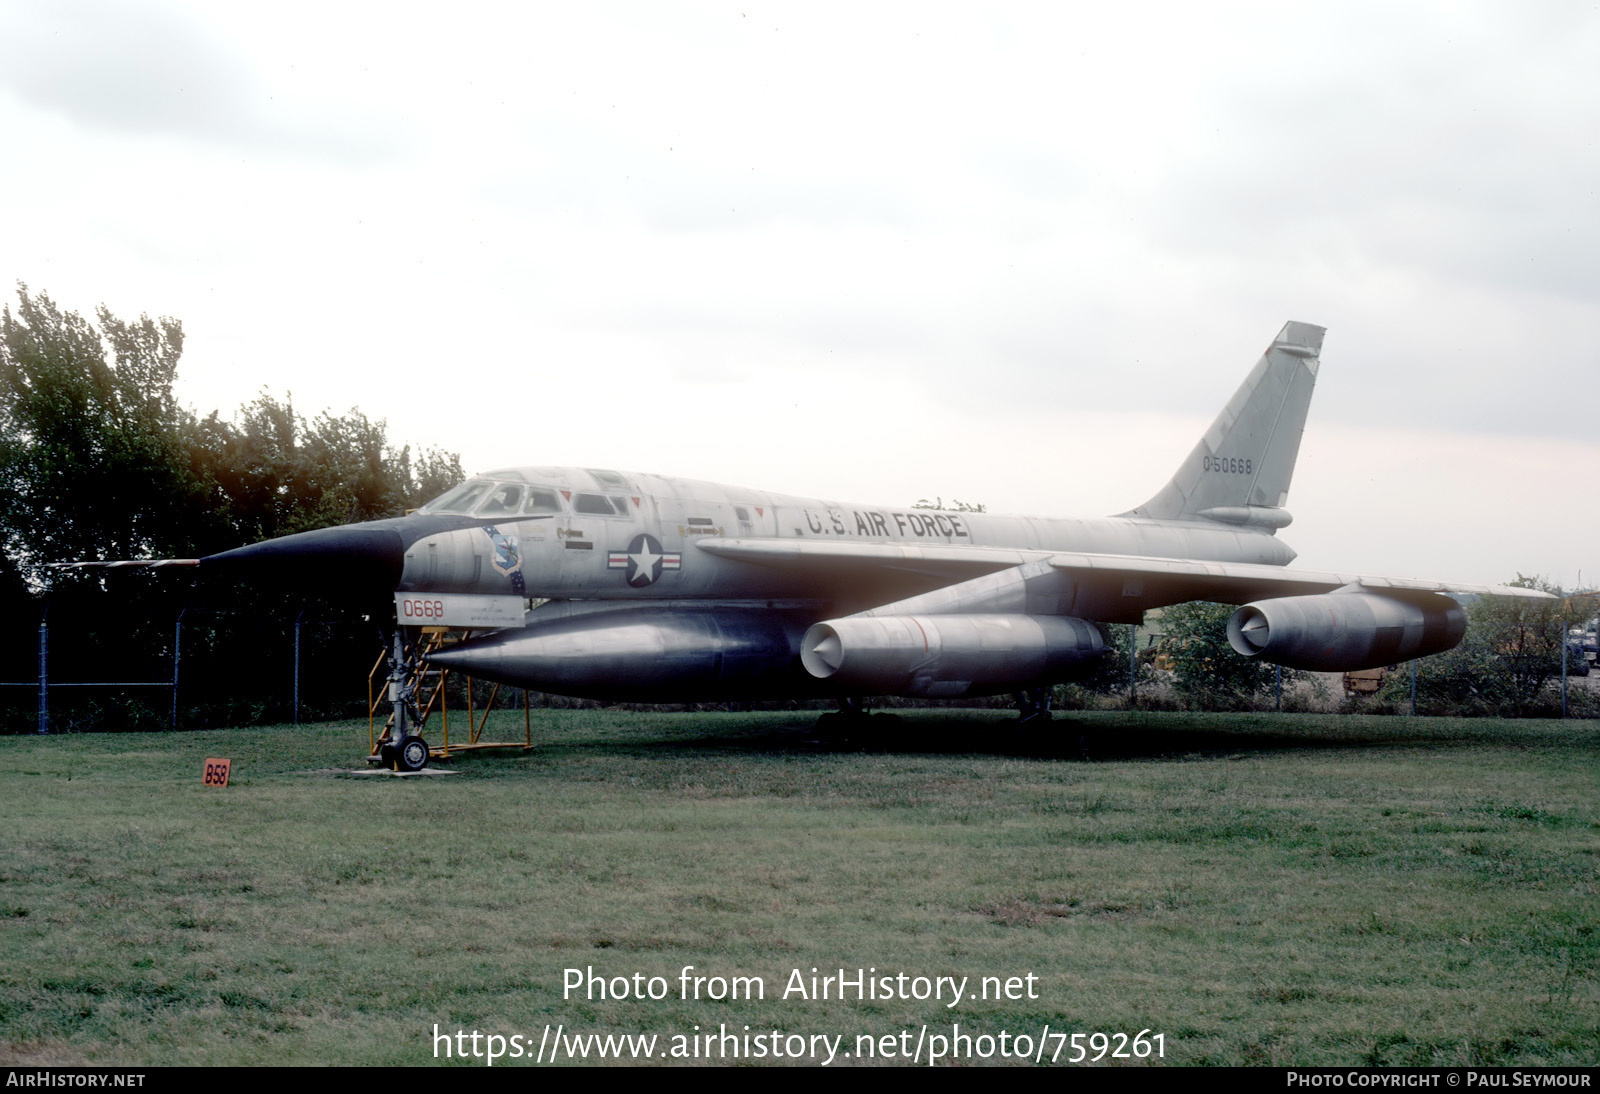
{"x":1345,"y":631}
{"x":948,"y":655}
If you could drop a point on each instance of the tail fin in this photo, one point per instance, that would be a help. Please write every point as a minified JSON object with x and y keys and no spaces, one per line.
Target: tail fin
{"x":1239,"y":472}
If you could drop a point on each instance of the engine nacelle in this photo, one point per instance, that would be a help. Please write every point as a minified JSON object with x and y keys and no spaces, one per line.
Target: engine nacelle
{"x":647,"y":655}
{"x":948,"y":655}
{"x":1345,"y":631}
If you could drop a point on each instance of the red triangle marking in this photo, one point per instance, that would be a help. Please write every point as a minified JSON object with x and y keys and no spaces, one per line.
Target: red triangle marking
{"x":567,"y":494}
{"x":635,"y":503}
{"x":760,"y":512}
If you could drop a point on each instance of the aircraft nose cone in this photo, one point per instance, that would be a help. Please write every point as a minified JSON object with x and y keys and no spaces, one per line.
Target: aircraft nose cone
{"x":361,"y":558}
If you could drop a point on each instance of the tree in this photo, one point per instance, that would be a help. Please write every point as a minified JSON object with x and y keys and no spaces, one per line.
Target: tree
{"x":99,"y":461}
{"x":1206,"y":671}
{"x":92,"y":454}
{"x":274,"y":473}
{"x":1505,"y":665}
{"x":1527,"y":638}
{"x":1109,"y":674}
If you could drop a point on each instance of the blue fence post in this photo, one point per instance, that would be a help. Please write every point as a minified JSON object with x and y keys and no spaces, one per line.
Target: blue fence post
{"x":44,"y":670}
{"x":177,"y":655}
{"x":1133,"y":661}
{"x":297,"y":620}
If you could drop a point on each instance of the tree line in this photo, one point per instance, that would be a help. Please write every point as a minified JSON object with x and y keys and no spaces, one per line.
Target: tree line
{"x":1510,"y":664}
{"x":99,"y":460}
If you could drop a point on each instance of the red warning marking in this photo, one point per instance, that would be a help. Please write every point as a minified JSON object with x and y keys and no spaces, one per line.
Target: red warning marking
{"x":567,"y":494}
{"x":760,"y":512}
{"x":635,"y":502}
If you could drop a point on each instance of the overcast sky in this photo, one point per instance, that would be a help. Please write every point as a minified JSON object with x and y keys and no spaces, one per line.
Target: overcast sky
{"x":1017,"y":254}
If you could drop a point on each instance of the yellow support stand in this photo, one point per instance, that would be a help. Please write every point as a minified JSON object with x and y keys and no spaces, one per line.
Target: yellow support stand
{"x":435,"y":638}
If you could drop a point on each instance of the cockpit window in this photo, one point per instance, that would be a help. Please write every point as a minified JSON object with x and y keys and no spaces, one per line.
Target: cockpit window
{"x":459,"y":500}
{"x":608,"y":480}
{"x":599,"y":505}
{"x":483,"y":498}
{"x":541,"y":500}
{"x":503,"y":501}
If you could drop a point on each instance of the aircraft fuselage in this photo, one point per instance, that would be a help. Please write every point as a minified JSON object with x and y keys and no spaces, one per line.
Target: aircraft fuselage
{"x":561,"y":533}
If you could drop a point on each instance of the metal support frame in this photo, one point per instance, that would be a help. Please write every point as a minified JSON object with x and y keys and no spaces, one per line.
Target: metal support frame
{"x":405,"y":689}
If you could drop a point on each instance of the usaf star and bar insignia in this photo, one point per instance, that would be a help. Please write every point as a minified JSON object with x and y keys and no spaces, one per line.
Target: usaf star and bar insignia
{"x":644,"y":560}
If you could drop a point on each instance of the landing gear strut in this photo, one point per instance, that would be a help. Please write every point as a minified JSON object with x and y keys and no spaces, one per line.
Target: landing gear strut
{"x":851,"y":717}
{"x":1034,"y":705}
{"x":853,"y":722}
{"x":401,"y":748}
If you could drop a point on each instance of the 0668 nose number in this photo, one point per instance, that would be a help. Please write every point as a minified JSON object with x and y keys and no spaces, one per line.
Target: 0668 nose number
{"x":412,"y":608}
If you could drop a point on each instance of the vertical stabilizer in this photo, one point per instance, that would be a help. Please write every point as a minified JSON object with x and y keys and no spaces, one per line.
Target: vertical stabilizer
{"x":1239,"y":472}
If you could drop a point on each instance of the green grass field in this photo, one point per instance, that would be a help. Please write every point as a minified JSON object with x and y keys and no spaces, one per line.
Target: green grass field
{"x":1259,"y":890}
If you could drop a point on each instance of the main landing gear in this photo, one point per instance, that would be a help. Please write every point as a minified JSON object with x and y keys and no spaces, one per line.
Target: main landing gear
{"x":1034,"y":705}
{"x":854,"y":722}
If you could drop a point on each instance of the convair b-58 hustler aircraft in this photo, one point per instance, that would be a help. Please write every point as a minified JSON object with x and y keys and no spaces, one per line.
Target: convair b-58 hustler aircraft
{"x":656,"y":589}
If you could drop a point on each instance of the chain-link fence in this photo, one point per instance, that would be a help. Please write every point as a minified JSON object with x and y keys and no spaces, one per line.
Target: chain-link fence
{"x":201,"y":668}
{"x":205,"y":666}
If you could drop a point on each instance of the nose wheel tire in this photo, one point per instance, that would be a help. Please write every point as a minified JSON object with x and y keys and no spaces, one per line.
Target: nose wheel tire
{"x":412,"y":755}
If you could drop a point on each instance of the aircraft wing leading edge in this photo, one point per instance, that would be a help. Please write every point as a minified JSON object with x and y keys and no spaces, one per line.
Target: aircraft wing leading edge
{"x":1184,"y":579}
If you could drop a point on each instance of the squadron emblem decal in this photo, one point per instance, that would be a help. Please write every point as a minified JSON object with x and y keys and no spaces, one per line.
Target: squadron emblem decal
{"x":507,"y":558}
{"x":644,"y":560}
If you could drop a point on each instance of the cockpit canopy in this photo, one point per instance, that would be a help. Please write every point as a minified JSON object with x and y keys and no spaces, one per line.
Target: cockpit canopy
{"x":486,"y":498}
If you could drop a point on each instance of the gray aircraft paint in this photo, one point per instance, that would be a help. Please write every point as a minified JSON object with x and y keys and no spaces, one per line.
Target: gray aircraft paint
{"x":1240,"y":471}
